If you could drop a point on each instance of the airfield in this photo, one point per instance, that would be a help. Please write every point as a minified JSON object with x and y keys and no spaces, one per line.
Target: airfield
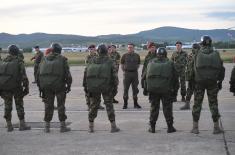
{"x":133,"y":139}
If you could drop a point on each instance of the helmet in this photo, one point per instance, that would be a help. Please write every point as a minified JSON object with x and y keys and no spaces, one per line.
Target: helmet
{"x":13,"y":50}
{"x":56,"y":48}
{"x":102,"y":49}
{"x":206,"y":40}
{"x":161,"y":51}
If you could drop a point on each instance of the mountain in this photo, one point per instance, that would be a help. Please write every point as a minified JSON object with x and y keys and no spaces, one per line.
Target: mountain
{"x":161,"y":34}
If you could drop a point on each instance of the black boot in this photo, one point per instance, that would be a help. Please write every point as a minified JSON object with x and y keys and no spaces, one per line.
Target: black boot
{"x":170,"y":128}
{"x":136,"y":105}
{"x":125,"y":104}
{"x":151,"y":127}
{"x":115,"y":101}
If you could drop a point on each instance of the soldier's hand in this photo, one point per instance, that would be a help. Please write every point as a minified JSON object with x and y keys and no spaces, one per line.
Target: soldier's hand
{"x":219,"y":84}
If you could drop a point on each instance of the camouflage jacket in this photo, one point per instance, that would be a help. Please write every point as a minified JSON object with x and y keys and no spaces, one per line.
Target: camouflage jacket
{"x":115,"y":56}
{"x":37,"y":58}
{"x":130,"y":62}
{"x":180,"y":60}
{"x":90,"y":57}
{"x":147,"y":59}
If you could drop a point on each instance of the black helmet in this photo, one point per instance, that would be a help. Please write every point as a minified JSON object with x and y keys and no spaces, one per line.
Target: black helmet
{"x":196,"y":46}
{"x":13,"y":50}
{"x":161,"y":51}
{"x":56,"y":48}
{"x":102,"y":49}
{"x":206,"y":40}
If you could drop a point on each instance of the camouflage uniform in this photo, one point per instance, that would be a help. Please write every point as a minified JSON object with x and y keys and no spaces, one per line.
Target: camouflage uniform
{"x":37,"y":59}
{"x":115,"y":56}
{"x":107,"y":96}
{"x":232,"y":81}
{"x":212,"y":92}
{"x":17,"y":93}
{"x":180,"y":61}
{"x":49,"y":94}
{"x":130,"y":64}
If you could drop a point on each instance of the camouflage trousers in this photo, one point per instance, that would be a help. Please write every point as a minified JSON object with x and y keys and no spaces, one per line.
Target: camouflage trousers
{"x":95,"y":101}
{"x":190,"y":90}
{"x":181,"y":84}
{"x":88,"y":100}
{"x":130,"y":78}
{"x":212,"y":92}
{"x":8,"y":101}
{"x":155,"y":107}
{"x":49,"y":105}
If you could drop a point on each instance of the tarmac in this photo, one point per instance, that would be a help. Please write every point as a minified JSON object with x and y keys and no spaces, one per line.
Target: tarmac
{"x":133,"y":139}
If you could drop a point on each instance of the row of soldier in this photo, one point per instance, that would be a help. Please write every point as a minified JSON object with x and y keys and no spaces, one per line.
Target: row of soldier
{"x":159,"y":79}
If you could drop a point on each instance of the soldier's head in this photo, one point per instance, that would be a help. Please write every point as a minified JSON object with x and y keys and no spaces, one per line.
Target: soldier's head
{"x":114,"y":48}
{"x":195,"y":48}
{"x":13,"y":50}
{"x":130,"y":47}
{"x":151,"y":47}
{"x":178,"y":46}
{"x":109,"y":47}
{"x":56,"y":48}
{"x":102,"y":50}
{"x":206,"y":40}
{"x":161,"y":52}
{"x":36,"y":48}
{"x":92,"y":48}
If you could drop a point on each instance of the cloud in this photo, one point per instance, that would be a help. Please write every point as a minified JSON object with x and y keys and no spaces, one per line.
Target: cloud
{"x":222,"y":15}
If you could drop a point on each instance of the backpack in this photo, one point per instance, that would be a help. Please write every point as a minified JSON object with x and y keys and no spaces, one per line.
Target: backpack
{"x":159,"y":76}
{"x":9,"y":74}
{"x":207,"y":66}
{"x":98,"y":77}
{"x":51,"y":73}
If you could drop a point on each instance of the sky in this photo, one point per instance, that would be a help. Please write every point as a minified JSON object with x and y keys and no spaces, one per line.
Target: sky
{"x":101,"y":17}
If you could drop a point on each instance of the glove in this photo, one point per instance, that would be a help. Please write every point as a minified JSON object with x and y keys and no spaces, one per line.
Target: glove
{"x":219,"y":84}
{"x":25,"y":91}
{"x":67,"y":89}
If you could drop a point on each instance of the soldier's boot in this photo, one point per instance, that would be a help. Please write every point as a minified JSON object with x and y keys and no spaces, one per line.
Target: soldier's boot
{"x":63,"y":127}
{"x":195,"y":128}
{"x":9,"y":126}
{"x":114,"y":127}
{"x":125,"y":104}
{"x":115,"y":101}
{"x":91,"y":127}
{"x":170,"y":128}
{"x":136,"y":105}
{"x":47,"y":127}
{"x":217,"y":129}
{"x":151,"y":127}
{"x":183,"y":98}
{"x":23,"y":126}
{"x":186,"y":106}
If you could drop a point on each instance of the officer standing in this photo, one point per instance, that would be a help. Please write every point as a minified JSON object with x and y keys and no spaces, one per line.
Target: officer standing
{"x":54,"y":79}
{"x":161,"y":79}
{"x":179,"y":57}
{"x":115,"y":56}
{"x":14,"y":84}
{"x":130,"y":62}
{"x":37,"y":59}
{"x":188,"y":75}
{"x":92,"y":54}
{"x":208,"y":76}
{"x":100,"y":77}
{"x":151,"y":55}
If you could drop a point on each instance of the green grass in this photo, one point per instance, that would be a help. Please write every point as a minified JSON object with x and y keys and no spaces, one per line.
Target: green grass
{"x":79,"y":58}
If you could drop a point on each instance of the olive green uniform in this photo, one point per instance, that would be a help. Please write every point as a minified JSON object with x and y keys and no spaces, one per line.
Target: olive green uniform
{"x":37,"y":59}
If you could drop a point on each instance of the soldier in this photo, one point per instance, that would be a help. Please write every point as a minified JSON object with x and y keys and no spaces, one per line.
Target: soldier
{"x":92,"y":54}
{"x":130,"y":62}
{"x":115,"y":56}
{"x":54,"y":79}
{"x":179,"y":58}
{"x":161,"y":79}
{"x":13,"y":84}
{"x":232,"y":81}
{"x":37,"y":59}
{"x":100,"y":77}
{"x":208,"y":74}
{"x":151,"y":55}
{"x":188,"y":72}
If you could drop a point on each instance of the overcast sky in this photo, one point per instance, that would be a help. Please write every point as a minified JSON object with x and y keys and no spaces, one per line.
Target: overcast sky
{"x":97,"y":17}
